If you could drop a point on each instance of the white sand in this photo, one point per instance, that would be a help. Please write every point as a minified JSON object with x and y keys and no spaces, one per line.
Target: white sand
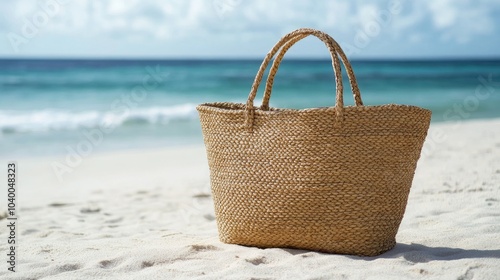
{"x":149,"y":215}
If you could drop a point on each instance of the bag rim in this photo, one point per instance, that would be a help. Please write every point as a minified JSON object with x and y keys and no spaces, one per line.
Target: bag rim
{"x":233,"y":107}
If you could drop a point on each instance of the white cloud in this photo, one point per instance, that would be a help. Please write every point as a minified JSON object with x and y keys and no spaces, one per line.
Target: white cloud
{"x":411,"y":15}
{"x":444,"y":13}
{"x":160,"y":21}
{"x":158,"y":18}
{"x":462,"y":20}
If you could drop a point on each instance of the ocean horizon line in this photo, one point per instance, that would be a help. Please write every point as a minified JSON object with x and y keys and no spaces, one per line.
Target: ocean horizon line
{"x":225,"y":59}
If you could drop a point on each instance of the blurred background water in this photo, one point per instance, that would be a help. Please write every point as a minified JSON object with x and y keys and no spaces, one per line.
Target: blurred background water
{"x":48,"y":106}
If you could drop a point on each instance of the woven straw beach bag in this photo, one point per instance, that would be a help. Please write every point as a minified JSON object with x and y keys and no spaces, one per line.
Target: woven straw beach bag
{"x":332,"y":179}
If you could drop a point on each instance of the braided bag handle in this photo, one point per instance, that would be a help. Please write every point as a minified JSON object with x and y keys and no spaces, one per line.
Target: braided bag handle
{"x":284,"y":44}
{"x":274,"y":69}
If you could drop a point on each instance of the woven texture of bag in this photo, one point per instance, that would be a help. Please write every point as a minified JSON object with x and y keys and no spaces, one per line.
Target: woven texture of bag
{"x":332,"y":179}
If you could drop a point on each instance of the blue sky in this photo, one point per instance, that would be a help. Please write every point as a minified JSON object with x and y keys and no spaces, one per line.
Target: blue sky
{"x":246,"y":28}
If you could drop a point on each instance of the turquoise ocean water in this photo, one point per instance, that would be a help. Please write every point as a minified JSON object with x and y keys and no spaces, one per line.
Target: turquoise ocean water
{"x":50,"y":106}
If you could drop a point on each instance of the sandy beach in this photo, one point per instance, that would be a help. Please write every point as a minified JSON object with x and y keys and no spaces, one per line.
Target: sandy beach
{"x":148,"y":214}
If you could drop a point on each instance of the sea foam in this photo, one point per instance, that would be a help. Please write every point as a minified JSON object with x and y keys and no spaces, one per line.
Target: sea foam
{"x":56,"y":120}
